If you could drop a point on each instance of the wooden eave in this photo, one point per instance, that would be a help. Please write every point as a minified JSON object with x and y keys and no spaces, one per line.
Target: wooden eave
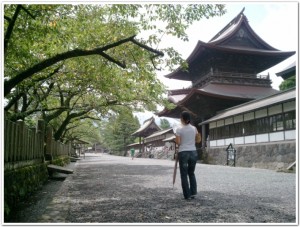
{"x":288,"y":71}
{"x":274,"y":99}
{"x":274,"y":57}
{"x":205,"y":102}
{"x":147,"y":128}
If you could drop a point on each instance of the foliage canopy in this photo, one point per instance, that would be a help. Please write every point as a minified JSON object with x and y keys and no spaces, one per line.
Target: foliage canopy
{"x":66,"y":63}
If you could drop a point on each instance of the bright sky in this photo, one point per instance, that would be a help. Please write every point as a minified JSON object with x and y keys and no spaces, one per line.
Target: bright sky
{"x":275,"y":22}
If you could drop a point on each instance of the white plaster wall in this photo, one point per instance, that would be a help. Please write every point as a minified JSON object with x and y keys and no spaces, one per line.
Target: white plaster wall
{"x":276,"y":136}
{"x":229,"y":141}
{"x":250,"y":139}
{"x":262,"y":138}
{"x":213,"y":143}
{"x":221,"y":142}
{"x":239,"y":140}
{"x":290,"y":135}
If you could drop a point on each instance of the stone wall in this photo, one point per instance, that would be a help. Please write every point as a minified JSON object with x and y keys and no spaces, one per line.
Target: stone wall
{"x":274,"y":156}
{"x":20,"y":183}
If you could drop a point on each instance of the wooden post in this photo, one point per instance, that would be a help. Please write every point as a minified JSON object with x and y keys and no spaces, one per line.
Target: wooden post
{"x":49,"y":145}
{"x":20,"y":141}
{"x":13,"y":144}
{"x":140,"y":147}
{"x":33,"y":140}
{"x":7,"y":139}
{"x":40,"y":130}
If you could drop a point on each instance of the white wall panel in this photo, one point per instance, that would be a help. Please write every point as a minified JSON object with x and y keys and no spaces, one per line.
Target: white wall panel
{"x":248,"y":116}
{"x":288,"y":106}
{"x":261,"y":113}
{"x":229,"y":141}
{"x":262,"y":138}
{"x":290,"y":135}
{"x":213,"y":125}
{"x":228,"y":121}
{"x":250,"y":139}
{"x":238,"y":118}
{"x":239,"y":140}
{"x":220,"y":142}
{"x":276,"y":136}
{"x":213,"y":143}
{"x":275,"y":109}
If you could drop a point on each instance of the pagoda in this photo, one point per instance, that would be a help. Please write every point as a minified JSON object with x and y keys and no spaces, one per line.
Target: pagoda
{"x":224,"y":72}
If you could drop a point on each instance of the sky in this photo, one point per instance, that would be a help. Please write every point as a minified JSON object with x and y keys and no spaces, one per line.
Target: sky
{"x":275,"y":22}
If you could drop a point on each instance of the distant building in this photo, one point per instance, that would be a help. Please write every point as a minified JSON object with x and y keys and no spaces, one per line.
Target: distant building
{"x":159,"y":144}
{"x":149,"y":126}
{"x":288,"y":72}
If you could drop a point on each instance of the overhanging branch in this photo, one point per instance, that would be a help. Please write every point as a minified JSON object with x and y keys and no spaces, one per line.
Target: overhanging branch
{"x":13,"y":82}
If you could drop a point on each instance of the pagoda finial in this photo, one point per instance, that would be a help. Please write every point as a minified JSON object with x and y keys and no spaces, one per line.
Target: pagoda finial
{"x":242,"y":10}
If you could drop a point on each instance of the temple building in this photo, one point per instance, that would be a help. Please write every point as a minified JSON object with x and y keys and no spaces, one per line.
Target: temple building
{"x":225,"y":72}
{"x":262,"y":131}
{"x":148,"y":128}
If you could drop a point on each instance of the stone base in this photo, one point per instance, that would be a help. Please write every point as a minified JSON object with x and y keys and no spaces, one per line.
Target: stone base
{"x":274,"y":156}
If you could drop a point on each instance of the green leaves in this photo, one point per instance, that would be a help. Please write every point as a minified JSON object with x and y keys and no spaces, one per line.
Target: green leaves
{"x":116,"y":131}
{"x":55,"y":68}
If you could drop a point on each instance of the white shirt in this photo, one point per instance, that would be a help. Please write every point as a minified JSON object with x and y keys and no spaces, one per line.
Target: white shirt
{"x":187,"y":135}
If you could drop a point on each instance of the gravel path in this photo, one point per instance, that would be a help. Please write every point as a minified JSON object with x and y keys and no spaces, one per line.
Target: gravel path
{"x":111,"y":189}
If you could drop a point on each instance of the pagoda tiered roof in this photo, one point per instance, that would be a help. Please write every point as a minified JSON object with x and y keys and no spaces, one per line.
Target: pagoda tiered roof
{"x":235,"y":48}
{"x":224,"y":72}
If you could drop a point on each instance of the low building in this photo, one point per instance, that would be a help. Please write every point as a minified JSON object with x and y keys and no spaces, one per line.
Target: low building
{"x":149,"y":126}
{"x":263,"y":132}
{"x":158,"y":144}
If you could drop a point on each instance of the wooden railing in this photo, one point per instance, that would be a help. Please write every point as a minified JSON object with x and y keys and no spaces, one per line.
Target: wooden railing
{"x":24,"y":144}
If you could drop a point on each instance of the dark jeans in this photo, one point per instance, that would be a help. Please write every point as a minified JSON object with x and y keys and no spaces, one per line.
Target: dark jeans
{"x":187,"y":164}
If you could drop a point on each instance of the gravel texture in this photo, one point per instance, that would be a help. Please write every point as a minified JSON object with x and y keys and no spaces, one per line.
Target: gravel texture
{"x":110,"y":189}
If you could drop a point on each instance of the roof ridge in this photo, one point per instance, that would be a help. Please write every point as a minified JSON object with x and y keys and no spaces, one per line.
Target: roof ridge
{"x":233,"y":21}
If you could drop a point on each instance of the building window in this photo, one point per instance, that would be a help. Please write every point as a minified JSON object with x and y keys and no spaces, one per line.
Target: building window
{"x":262,"y":125}
{"x":226,"y":133}
{"x":249,"y":128}
{"x":239,"y":129}
{"x":276,"y":123}
{"x":231,"y":130}
{"x":290,"y":120}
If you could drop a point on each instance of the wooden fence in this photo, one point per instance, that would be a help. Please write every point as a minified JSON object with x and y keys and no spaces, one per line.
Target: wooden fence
{"x":23,"y":144}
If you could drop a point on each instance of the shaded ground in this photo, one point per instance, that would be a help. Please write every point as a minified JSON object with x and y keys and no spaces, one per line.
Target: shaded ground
{"x":109,"y":189}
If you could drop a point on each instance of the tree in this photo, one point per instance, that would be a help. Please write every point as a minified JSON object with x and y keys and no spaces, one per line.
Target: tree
{"x":66,"y":63}
{"x":116,"y":131}
{"x":164,"y":123}
{"x":288,"y":83}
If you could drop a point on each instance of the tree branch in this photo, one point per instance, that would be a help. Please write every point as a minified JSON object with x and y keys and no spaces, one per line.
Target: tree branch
{"x":158,"y":53}
{"x":10,"y":84}
{"x":27,"y":11}
{"x":7,"y":18}
{"x":11,"y":27}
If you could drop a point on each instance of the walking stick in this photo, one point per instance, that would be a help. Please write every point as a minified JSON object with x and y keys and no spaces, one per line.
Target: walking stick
{"x":176,"y":157}
{"x":175,"y":168}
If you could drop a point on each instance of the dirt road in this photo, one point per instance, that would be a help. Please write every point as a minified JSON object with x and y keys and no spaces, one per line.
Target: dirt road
{"x":109,"y":189}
